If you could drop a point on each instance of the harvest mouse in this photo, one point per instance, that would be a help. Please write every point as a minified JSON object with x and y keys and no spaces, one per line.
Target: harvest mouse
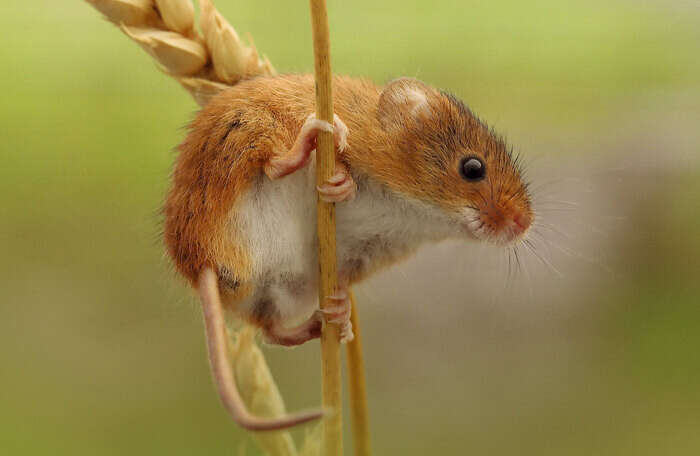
{"x":414,"y":165}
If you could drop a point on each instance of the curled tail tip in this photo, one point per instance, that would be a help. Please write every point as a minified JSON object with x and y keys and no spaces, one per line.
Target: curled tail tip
{"x":253,"y":423}
{"x":217,"y":341}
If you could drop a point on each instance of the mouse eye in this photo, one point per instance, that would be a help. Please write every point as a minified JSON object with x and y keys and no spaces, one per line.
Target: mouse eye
{"x":472,"y":169}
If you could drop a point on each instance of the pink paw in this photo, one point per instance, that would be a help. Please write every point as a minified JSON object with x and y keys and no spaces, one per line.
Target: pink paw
{"x":298,"y":156}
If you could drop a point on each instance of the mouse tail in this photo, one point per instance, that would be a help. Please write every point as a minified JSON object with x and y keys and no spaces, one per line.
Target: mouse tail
{"x":217,"y":343}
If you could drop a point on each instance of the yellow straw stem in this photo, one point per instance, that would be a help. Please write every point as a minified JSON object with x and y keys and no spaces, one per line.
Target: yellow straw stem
{"x":332,"y":444}
{"x":358,"y":387}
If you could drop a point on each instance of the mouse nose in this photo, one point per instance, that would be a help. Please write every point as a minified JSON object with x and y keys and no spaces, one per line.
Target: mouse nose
{"x":521,"y":222}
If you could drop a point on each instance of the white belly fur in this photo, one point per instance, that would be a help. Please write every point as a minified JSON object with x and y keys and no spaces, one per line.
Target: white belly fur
{"x":277,"y":220}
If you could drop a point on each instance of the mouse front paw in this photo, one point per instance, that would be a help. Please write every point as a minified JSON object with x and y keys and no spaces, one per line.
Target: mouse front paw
{"x":281,"y":164}
{"x":284,"y":163}
{"x":341,"y":186}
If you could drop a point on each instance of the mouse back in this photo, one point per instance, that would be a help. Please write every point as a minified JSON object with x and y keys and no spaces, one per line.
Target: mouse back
{"x":217,"y":162}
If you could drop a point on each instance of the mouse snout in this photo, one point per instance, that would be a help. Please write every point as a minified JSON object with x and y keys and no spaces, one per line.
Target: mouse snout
{"x":514,"y":223}
{"x":521,"y":222}
{"x":500,"y":225}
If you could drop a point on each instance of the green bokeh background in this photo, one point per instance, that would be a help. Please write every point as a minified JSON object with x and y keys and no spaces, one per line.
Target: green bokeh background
{"x":101,"y":347}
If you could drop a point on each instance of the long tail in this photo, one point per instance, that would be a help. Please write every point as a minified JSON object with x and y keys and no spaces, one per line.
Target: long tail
{"x":204,"y":63}
{"x":217,"y":342}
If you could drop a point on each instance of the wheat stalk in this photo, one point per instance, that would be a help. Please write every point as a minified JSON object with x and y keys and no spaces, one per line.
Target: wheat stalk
{"x":331,"y":385}
{"x":203,"y":63}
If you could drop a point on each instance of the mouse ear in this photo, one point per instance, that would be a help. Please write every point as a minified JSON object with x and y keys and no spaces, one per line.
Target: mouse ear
{"x":403,"y":103}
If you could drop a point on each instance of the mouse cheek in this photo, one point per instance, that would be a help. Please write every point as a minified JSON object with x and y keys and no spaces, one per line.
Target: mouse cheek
{"x":472,"y":223}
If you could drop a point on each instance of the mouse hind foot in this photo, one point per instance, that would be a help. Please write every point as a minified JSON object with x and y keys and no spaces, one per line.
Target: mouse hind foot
{"x":277,"y":334}
{"x":338,"y":312}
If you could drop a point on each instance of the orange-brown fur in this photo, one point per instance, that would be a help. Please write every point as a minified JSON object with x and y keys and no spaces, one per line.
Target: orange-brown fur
{"x":240,"y":129}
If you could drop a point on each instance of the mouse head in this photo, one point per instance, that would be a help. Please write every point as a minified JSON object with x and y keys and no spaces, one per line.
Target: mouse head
{"x":449,"y":158}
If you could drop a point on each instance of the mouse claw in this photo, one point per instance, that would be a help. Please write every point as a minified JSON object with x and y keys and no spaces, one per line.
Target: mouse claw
{"x":346,"y":334}
{"x":336,"y":314}
{"x":339,"y":313}
{"x":338,"y":188}
{"x":340,"y":133}
{"x":313,"y":124}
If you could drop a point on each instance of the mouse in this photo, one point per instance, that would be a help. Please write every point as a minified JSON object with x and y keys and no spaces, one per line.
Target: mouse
{"x":414,"y":165}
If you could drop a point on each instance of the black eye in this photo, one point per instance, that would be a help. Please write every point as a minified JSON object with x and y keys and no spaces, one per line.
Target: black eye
{"x":472,"y":169}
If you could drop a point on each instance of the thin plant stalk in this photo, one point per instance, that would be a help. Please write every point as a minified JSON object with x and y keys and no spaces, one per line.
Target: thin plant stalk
{"x":332,"y":440}
{"x":358,"y":387}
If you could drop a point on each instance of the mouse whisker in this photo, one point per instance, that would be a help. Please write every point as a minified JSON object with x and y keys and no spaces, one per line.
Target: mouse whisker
{"x":531,"y":247}
{"x":517,"y":259}
{"x":509,"y":277}
{"x":527,"y":276}
{"x":558,"y":202}
{"x":513,"y":195}
{"x":550,"y":227}
{"x":577,"y":254}
{"x":505,"y":265}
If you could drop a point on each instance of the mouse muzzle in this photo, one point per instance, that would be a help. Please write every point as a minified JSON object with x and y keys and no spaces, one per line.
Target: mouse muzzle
{"x":498,"y":223}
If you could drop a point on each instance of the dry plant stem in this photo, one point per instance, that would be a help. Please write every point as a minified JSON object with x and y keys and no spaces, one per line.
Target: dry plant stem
{"x":325,"y":168}
{"x":358,"y":387}
{"x":218,"y":346}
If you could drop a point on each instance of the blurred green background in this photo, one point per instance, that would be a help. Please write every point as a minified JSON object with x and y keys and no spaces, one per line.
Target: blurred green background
{"x":101,"y":345}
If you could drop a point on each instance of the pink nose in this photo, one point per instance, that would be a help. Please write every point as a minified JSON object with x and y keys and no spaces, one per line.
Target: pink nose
{"x":521,"y":222}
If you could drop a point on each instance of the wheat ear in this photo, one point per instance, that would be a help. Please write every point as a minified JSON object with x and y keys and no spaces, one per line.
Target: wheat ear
{"x":203,"y":63}
{"x":259,"y":391}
